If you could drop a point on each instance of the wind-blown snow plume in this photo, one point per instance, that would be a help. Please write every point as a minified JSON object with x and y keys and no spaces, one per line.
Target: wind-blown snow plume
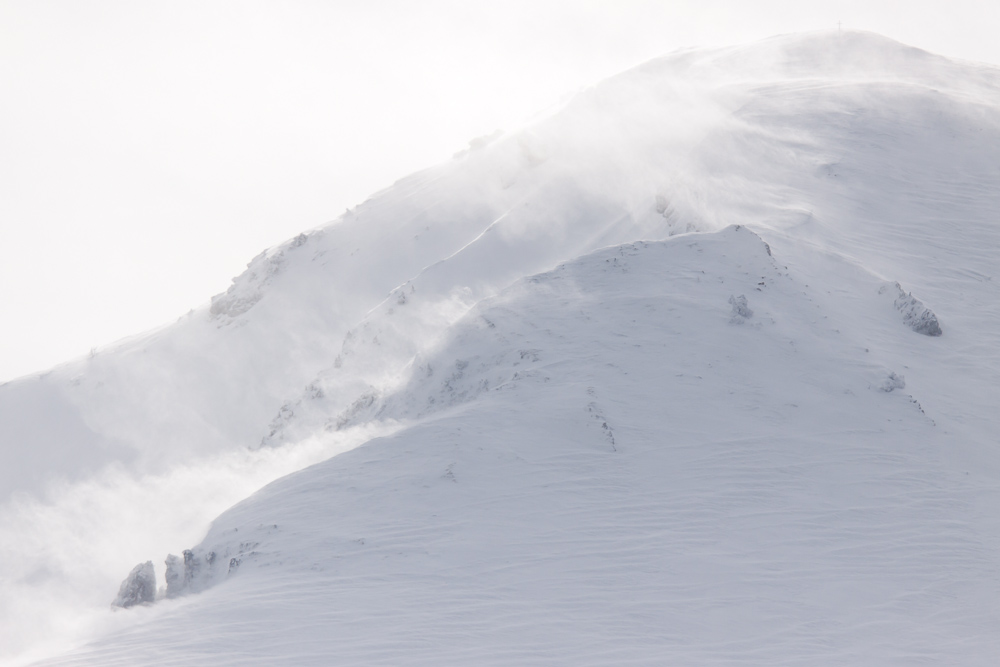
{"x":546,"y":324}
{"x":64,"y":552}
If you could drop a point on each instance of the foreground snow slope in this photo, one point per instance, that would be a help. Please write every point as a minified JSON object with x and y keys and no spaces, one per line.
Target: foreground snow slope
{"x":815,"y":482}
{"x":607,"y":464}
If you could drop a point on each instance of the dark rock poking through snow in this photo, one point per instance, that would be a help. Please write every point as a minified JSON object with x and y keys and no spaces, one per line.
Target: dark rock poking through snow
{"x":915,"y":315}
{"x":139,"y":586}
{"x":190,"y":573}
{"x":180,"y":572}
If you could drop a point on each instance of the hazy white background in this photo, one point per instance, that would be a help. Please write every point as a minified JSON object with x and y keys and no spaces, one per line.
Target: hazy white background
{"x":148,"y":150}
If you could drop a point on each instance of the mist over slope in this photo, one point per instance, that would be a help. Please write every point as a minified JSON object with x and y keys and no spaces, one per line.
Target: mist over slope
{"x":660,"y":379}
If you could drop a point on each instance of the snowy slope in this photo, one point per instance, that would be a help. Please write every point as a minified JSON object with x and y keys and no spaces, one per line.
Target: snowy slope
{"x":607,"y":464}
{"x":614,"y":461}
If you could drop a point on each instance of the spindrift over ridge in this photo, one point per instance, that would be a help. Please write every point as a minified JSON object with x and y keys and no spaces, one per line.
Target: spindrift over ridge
{"x":655,"y":375}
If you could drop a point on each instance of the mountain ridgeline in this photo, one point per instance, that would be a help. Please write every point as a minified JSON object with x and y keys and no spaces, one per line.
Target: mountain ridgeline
{"x":700,"y":368}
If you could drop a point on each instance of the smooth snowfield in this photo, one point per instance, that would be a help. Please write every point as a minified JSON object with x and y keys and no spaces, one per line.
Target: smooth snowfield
{"x":657,"y":383}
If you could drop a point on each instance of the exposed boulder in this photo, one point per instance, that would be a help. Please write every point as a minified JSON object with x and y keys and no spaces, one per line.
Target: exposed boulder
{"x":190,"y":573}
{"x":180,"y":572}
{"x":139,"y":587}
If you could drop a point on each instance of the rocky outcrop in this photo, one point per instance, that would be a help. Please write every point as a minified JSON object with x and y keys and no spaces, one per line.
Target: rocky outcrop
{"x":139,"y":587}
{"x":915,"y":314}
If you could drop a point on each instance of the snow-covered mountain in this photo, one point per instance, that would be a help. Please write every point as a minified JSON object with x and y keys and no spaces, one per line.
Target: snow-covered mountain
{"x":701,"y":368}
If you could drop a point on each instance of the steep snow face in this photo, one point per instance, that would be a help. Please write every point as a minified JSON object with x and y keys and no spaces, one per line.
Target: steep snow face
{"x":609,"y":463}
{"x":868,"y":167}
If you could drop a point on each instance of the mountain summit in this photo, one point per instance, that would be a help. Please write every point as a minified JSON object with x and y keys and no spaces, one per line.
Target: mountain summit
{"x":700,"y":368}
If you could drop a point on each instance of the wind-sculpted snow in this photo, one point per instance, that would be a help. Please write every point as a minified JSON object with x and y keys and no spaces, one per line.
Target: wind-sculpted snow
{"x":648,"y":381}
{"x":600,"y":469}
{"x":469,"y":367}
{"x":741,"y":310}
{"x":915,"y":315}
{"x":248,"y":289}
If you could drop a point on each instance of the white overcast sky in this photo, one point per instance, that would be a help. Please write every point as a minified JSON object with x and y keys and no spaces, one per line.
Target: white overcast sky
{"x":149,"y":149}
